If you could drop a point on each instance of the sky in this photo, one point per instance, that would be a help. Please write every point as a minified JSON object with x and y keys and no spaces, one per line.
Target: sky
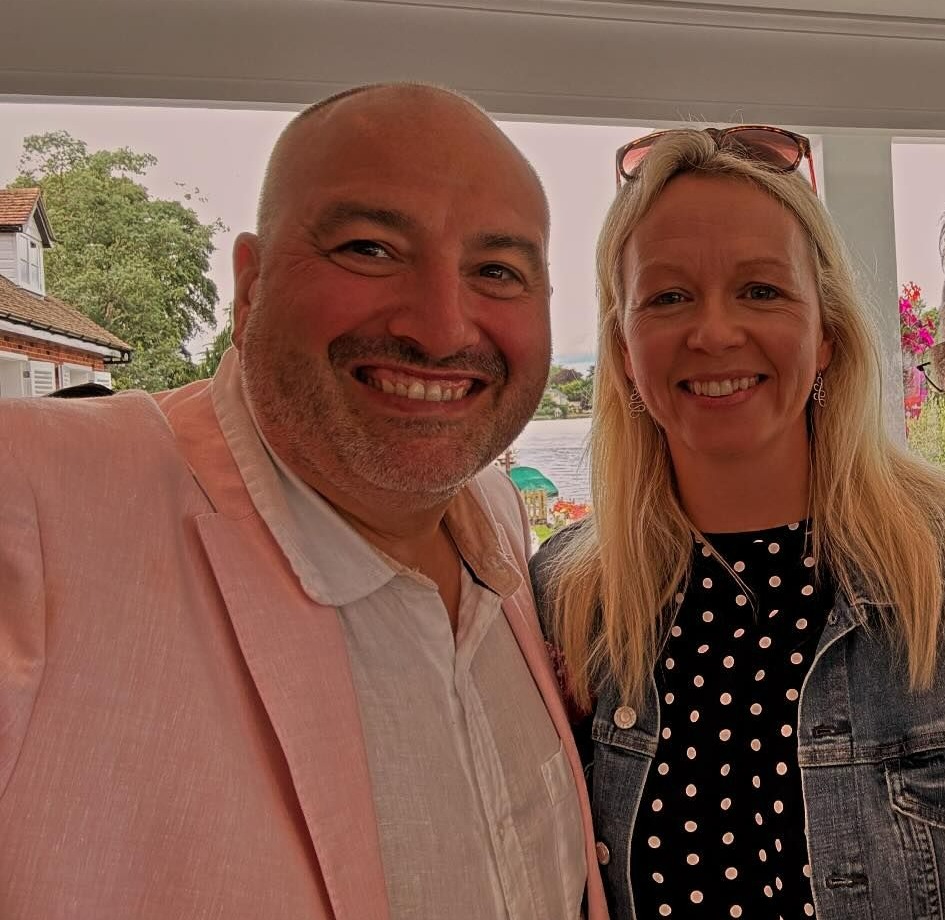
{"x":222,"y":152}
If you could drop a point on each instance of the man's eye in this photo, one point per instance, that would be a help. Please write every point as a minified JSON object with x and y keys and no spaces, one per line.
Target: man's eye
{"x":365,"y":248}
{"x":498,"y":273}
{"x":763,"y":292}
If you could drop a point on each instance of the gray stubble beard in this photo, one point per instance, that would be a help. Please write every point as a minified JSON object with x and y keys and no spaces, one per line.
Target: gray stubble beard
{"x":335,"y":448}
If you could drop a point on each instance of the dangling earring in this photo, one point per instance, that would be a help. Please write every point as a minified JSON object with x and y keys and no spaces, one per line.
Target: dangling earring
{"x":820,"y":392}
{"x":636,"y":405}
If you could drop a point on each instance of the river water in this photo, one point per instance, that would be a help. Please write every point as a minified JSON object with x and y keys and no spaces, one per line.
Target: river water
{"x":557,"y":447}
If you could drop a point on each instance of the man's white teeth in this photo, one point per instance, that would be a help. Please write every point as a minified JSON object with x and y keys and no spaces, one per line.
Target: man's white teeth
{"x":417,"y":389}
{"x":722,"y":387}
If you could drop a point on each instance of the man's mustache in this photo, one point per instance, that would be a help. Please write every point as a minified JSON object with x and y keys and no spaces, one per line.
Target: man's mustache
{"x":351,"y":349}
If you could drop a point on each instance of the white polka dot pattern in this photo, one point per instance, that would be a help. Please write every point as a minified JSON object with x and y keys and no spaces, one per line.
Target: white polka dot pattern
{"x":726,"y":779}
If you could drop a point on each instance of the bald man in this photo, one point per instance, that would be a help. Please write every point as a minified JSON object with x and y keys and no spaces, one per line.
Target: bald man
{"x":267,"y":648}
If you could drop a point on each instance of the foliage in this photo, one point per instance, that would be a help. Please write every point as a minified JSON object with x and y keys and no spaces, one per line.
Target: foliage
{"x":562,"y":375}
{"x":927,"y":431}
{"x":553,"y":371}
{"x":548,"y":408}
{"x":137,"y":265}
{"x":543,"y":531}
{"x":580,"y":390}
{"x":916,"y":321}
{"x":221,"y":342}
{"x":573,"y":385}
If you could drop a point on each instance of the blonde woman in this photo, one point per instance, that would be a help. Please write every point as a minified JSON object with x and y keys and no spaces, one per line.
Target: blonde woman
{"x":750,"y":622}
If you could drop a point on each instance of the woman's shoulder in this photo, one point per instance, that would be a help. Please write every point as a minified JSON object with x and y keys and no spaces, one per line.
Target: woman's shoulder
{"x":542,"y":565}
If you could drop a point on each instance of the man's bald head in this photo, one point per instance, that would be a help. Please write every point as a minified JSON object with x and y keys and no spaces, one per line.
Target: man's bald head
{"x":372,"y":102}
{"x":392,"y":315}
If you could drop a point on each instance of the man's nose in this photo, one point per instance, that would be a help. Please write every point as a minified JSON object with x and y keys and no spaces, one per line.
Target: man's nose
{"x":716,"y":326}
{"x":435,"y":314}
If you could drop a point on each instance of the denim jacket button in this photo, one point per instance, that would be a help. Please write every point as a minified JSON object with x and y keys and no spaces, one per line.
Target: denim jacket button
{"x":603,"y":853}
{"x":625,"y":717}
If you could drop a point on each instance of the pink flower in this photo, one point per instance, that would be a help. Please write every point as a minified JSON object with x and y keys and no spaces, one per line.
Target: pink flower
{"x":916,"y":331}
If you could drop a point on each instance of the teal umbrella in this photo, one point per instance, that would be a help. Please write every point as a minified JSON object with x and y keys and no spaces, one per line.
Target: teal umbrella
{"x":528,"y":479}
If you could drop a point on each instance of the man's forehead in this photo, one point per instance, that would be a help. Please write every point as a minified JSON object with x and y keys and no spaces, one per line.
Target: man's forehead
{"x":381,"y":145}
{"x":393,"y":125}
{"x":438,"y":184}
{"x":400,"y":143}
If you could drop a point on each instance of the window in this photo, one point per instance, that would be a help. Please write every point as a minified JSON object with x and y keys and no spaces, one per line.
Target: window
{"x":29,"y":254}
{"x":42,"y":378}
{"x":73,"y":374}
{"x":12,"y":381}
{"x":22,"y":259}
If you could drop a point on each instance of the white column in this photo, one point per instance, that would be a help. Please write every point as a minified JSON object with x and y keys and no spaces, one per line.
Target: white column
{"x":858,"y":190}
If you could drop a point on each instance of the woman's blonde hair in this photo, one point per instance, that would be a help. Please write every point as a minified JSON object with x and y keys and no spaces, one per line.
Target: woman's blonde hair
{"x":878,"y":513}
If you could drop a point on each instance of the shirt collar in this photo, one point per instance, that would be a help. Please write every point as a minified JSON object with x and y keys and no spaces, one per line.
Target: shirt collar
{"x":334,"y":563}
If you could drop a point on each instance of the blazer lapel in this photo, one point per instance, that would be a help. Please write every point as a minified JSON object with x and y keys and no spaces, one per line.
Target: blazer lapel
{"x":296,"y":654}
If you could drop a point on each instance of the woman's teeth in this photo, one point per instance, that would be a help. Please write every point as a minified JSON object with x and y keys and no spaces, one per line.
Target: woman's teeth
{"x":721,"y":387}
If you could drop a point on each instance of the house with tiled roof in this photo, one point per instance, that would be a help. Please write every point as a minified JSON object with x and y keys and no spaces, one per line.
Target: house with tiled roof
{"x":45,"y":344}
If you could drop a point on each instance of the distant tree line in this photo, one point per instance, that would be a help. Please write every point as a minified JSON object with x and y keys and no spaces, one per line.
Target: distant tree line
{"x":568,"y":393}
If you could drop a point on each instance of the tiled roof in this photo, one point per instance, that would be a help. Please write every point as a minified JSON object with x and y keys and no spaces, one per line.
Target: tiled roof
{"x":16,"y":205}
{"x":51,"y":314}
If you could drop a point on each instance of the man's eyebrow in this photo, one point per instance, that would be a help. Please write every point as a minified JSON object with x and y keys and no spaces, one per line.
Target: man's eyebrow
{"x":346,"y":212}
{"x":526,"y":247}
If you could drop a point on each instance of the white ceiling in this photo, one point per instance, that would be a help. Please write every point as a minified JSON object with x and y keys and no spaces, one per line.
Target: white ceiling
{"x":839,"y":63}
{"x":930,"y":9}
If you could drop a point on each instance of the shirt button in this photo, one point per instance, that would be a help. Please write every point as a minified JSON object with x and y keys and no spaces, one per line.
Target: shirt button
{"x":625,"y":717}
{"x":603,"y":853}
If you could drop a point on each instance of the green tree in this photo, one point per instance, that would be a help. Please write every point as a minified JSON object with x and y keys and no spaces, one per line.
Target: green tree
{"x":580,"y":391}
{"x":221,"y":342}
{"x":137,"y":265}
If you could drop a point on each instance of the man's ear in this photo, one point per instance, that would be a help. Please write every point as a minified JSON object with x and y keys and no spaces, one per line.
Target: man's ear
{"x":245,"y":279}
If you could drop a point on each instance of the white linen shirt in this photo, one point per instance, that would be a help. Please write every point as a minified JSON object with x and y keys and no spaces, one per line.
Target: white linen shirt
{"x":477,"y":810}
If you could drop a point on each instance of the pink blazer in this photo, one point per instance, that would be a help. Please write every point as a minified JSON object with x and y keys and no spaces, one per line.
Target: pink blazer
{"x":179,"y":732}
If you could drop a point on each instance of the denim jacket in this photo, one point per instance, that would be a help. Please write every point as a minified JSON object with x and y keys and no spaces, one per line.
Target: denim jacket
{"x":872,"y":759}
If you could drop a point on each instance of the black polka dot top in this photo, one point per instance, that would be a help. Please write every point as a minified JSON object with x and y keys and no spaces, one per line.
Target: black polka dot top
{"x":720,"y":827}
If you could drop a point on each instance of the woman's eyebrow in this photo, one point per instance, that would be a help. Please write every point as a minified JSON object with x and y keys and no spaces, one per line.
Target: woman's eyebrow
{"x":768,"y":262}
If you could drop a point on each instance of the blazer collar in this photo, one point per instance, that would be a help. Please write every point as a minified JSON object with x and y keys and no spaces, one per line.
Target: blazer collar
{"x":296,"y":654}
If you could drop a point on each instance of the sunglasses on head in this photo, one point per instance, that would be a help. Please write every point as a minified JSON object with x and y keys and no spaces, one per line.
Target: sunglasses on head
{"x":776,"y":148}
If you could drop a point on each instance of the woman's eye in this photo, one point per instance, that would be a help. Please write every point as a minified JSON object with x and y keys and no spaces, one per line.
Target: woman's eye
{"x":763,"y":292}
{"x":365,"y":248}
{"x":667,"y":298}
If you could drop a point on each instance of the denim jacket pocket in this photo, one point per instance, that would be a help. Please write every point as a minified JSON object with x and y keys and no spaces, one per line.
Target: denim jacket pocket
{"x":917,"y":786}
{"x":569,"y":829}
